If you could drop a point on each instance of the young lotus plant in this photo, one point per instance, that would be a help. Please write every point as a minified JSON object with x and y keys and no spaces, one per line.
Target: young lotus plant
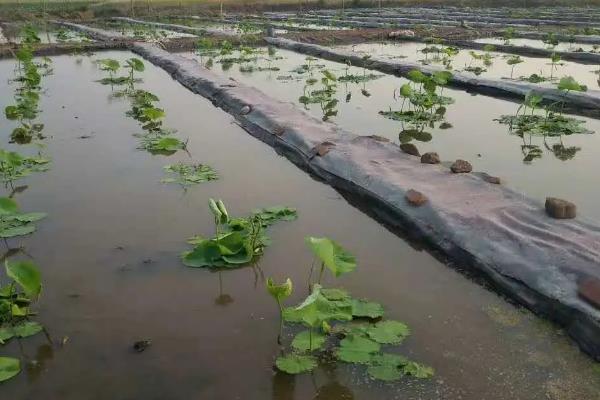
{"x":219,"y":212}
{"x":551,"y":123}
{"x":13,"y":222}
{"x":345,"y":329}
{"x":332,"y":256}
{"x":111,"y":66}
{"x":513,"y":61}
{"x":24,"y":288}
{"x":134,"y":65}
{"x":238,"y":241}
{"x":279,"y":293}
{"x":554,"y":63}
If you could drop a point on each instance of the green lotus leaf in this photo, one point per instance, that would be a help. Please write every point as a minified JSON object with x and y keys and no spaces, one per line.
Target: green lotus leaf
{"x":205,"y":254}
{"x":388,"y":332}
{"x":334,"y":294}
{"x":357,"y":349}
{"x":296,"y":363}
{"x":335,"y":258}
{"x":303,"y":342}
{"x":9,"y":367}
{"x":386,"y":373}
{"x":26,"y":275}
{"x":366,"y":309}
{"x":27,"y":328}
{"x":417,"y":370}
{"x":8,"y":206}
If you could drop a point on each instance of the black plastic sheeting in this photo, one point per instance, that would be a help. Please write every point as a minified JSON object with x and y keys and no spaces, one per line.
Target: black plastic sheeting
{"x":503,"y":235}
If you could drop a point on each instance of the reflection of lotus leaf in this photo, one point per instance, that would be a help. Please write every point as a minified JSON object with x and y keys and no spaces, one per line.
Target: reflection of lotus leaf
{"x":408,"y":134}
{"x":224,"y":300}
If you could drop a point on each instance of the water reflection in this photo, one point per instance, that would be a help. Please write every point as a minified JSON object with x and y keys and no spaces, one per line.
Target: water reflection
{"x":334,"y":391}
{"x":284,"y":387}
{"x":36,"y":366}
{"x":533,"y":151}
{"x":222,"y":299}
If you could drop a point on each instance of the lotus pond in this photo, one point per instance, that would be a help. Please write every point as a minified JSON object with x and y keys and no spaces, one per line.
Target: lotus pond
{"x":124,"y":316}
{"x":486,"y":64}
{"x":550,"y":43}
{"x":46,"y":33}
{"x":138,"y":31}
{"x":363,"y":102}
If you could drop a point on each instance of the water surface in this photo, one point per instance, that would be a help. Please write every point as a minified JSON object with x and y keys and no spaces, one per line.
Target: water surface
{"x":109,"y":256}
{"x":473,"y":135}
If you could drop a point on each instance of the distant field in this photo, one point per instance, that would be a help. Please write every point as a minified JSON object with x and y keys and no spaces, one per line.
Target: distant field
{"x":483,"y":3}
{"x":82,"y":9}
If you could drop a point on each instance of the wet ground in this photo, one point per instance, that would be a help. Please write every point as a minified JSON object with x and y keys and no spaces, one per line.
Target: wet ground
{"x":473,"y":134}
{"x":109,"y":256}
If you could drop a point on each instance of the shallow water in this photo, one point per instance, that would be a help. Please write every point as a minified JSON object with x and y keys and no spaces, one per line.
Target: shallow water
{"x":50,"y":36}
{"x":411,"y":51}
{"x":109,"y":256}
{"x":139,"y":31}
{"x":539,"y":44}
{"x":474,"y":135}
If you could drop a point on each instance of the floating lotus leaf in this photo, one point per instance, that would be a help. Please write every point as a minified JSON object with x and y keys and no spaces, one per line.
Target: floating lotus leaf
{"x":334,"y":294}
{"x":357,"y":349}
{"x":9,"y":367}
{"x":366,"y":309}
{"x":388,"y":332}
{"x":417,"y":370}
{"x":386,"y":373}
{"x":296,"y":363}
{"x":304,"y":342}
{"x":316,"y":308}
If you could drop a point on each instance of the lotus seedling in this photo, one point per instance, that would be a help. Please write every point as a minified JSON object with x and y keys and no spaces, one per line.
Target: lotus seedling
{"x":513,"y":61}
{"x":332,"y":256}
{"x":280,"y":293}
{"x":220,"y":214}
{"x":134,"y":65}
{"x":554,"y":62}
{"x":24,"y":287}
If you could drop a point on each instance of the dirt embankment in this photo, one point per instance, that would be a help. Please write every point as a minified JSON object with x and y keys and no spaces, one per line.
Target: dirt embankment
{"x":352,"y":36}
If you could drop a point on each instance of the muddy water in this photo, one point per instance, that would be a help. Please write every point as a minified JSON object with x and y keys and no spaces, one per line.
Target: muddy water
{"x":475,"y":136}
{"x":109,"y":255}
{"x":411,"y":51}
